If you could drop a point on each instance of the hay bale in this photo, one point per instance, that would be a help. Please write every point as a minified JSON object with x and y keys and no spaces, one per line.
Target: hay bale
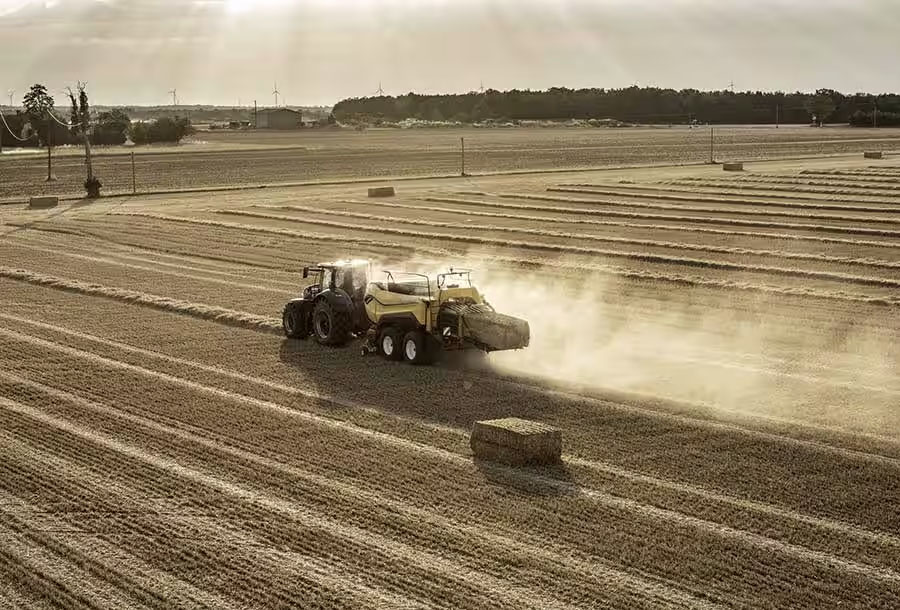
{"x":381,"y":191}
{"x":873,"y":154}
{"x":733,"y":167}
{"x":41,"y":203}
{"x":516,"y":442}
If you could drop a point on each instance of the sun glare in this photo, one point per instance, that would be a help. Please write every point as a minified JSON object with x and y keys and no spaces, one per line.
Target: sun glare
{"x":245,"y":6}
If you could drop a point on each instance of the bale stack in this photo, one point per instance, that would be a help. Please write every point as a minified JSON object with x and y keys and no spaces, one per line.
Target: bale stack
{"x":42,"y":203}
{"x":381,"y":191}
{"x":516,"y":442}
{"x":873,"y":154}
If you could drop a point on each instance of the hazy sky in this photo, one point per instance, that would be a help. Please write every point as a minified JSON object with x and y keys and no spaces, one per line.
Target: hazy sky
{"x":319,"y":51}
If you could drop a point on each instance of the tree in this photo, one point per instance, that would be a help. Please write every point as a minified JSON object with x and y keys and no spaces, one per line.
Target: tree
{"x":38,"y":105}
{"x":110,"y":128}
{"x":821,"y":106}
{"x":163,"y":129}
{"x":81,"y":127}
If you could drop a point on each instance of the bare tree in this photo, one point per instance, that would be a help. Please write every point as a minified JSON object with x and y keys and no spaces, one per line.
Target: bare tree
{"x":81,"y":127}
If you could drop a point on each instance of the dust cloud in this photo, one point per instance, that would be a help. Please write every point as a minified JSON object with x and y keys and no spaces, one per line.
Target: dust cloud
{"x":723,"y":350}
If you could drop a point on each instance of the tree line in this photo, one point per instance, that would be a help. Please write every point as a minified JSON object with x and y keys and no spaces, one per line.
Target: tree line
{"x":640,"y":105}
{"x":39,"y":122}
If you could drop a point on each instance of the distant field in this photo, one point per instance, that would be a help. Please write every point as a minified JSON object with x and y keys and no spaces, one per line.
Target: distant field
{"x":246,"y":158}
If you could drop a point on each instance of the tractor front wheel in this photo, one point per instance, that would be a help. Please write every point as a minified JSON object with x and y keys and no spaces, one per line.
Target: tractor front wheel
{"x":293,"y":323}
{"x":330,"y":327}
{"x":416,"y":348}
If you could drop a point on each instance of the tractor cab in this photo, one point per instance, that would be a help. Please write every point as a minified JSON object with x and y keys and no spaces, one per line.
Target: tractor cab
{"x":331,"y":307}
{"x":349,"y":276}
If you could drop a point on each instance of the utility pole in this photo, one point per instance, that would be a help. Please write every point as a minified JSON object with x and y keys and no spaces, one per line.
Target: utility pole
{"x":777,"y":115}
{"x":462,"y":146}
{"x":255,"y":116}
{"x":875,"y":113}
{"x":712,"y":140}
{"x":133,"y":176}
{"x":49,"y":148}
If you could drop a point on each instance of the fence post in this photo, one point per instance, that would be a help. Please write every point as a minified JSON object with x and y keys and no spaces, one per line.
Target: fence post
{"x":712,"y":140}
{"x":133,"y":181}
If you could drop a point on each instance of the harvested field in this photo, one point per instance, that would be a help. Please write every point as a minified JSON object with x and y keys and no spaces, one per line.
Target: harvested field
{"x":719,"y":352}
{"x":246,"y":159}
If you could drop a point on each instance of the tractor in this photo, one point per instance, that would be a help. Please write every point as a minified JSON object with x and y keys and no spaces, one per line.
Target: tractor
{"x":405,"y":316}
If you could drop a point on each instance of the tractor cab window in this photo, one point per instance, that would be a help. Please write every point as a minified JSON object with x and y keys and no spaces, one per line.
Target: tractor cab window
{"x":327,"y":276}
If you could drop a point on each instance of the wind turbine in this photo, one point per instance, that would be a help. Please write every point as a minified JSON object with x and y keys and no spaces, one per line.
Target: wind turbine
{"x":173,"y":93}
{"x":11,"y":93}
{"x":276,"y":92}
{"x":380,"y":91}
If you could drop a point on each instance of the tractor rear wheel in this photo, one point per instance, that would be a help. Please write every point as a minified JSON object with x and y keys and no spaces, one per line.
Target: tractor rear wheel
{"x":416,"y":348}
{"x":330,"y":327}
{"x":390,"y":344}
{"x":293,"y":323}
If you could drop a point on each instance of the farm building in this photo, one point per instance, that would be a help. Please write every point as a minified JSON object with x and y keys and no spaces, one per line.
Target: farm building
{"x":279,"y":118}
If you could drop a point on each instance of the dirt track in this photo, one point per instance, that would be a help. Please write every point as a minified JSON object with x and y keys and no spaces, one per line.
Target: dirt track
{"x":729,"y":401}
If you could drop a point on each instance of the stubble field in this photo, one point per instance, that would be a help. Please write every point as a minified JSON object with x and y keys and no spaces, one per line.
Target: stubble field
{"x":720,"y":352}
{"x":224,"y":158}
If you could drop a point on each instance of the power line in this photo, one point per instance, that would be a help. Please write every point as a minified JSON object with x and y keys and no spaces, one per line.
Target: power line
{"x":53,"y":116}
{"x":3,"y":118}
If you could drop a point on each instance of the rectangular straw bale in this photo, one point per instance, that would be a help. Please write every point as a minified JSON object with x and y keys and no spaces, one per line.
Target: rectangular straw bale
{"x":516,"y":441}
{"x":43,"y":202}
{"x":873,"y":154}
{"x":381,"y":191}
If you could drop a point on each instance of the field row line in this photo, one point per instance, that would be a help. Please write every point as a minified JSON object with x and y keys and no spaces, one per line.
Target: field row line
{"x":825,"y":523}
{"x":791,"y":193}
{"x":444,"y":255}
{"x":213,"y":313}
{"x":514,"y":542}
{"x":163,"y":249}
{"x":672,"y":217}
{"x":63,"y":584}
{"x":867,"y":172}
{"x":851,"y":176}
{"x":185,"y":263}
{"x":773,"y":182}
{"x":857,"y":230}
{"x":444,"y":429}
{"x":868,"y":262}
{"x":250,"y":560}
{"x":684,"y":195}
{"x":141,"y":580}
{"x":721,"y":196}
{"x":290,"y":510}
{"x":609,"y":223}
{"x":163,"y":271}
{"x":715,"y":532}
{"x":548,"y":247}
{"x":742,"y":537}
{"x":260,"y":555}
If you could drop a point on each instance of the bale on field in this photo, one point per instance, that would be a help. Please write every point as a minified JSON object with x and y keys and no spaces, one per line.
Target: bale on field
{"x":873,"y":154}
{"x":733,"y":167}
{"x":43,"y":202}
{"x":516,"y":441}
{"x":381,"y":191}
